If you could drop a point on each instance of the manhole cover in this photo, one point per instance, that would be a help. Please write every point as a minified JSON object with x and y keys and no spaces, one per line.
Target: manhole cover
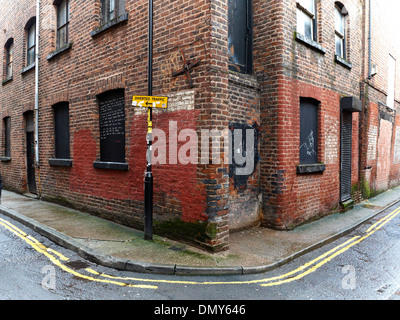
{"x":76,"y":265}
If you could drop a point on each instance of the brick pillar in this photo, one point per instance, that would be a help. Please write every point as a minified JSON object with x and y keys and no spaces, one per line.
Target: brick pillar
{"x":268,"y":52}
{"x":214,"y":99}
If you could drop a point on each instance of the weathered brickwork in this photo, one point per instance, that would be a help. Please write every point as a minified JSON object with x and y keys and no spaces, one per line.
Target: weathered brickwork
{"x":380,"y":167}
{"x":203,"y":202}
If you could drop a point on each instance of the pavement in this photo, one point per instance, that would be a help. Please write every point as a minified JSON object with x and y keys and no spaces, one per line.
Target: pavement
{"x":251,"y":251}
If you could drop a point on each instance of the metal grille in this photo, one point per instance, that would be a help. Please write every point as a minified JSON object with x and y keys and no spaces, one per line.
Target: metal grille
{"x":346,"y":141}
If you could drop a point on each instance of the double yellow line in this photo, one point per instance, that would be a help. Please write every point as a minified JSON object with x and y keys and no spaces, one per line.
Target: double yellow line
{"x":59,"y":259}
{"x":291,"y":276}
{"x":299,"y":273}
{"x":325,"y":258}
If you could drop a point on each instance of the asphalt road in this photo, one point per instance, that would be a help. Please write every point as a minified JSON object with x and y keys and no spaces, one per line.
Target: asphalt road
{"x":363,"y":265}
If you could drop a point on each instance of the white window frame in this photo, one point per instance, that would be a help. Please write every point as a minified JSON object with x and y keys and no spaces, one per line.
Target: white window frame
{"x":340,"y":34}
{"x":31,"y":35}
{"x":304,"y":13}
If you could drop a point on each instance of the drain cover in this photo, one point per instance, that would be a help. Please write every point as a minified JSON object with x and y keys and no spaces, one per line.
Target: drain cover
{"x":76,"y":265}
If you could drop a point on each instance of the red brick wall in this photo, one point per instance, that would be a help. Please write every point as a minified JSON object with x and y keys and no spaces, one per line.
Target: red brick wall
{"x":17,"y":95}
{"x":204,"y":197}
{"x":380,"y":158}
{"x":289,"y":198}
{"x":117,"y":58}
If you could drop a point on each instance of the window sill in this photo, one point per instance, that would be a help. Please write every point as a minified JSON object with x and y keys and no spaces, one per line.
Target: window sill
{"x":55,"y":53}
{"x":60,"y":162}
{"x":111,"y":165}
{"x":311,"y":168}
{"x":110,"y":24}
{"x":5,"y":159}
{"x":309,"y":43}
{"x":26,"y":69}
{"x":343,"y":62}
{"x":7,"y":80}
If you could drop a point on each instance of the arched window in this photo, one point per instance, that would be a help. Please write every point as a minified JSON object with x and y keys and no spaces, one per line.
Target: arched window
{"x":30,"y":41}
{"x":112,"y":126}
{"x":340,"y":29}
{"x":61,"y":130}
{"x":309,"y":135}
{"x":9,"y":48}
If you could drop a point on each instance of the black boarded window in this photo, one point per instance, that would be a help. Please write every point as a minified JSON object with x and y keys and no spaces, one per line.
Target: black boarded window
{"x":61,"y":130}
{"x":308,"y":131}
{"x":7,"y":136}
{"x":240,"y":42}
{"x":112,"y":126}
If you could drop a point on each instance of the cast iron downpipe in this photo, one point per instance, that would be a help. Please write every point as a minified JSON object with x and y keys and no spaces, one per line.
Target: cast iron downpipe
{"x":148,"y":179}
{"x":37,"y":40}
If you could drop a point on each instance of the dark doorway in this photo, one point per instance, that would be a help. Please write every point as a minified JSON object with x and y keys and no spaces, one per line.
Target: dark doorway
{"x":345,"y":161}
{"x":30,"y":152}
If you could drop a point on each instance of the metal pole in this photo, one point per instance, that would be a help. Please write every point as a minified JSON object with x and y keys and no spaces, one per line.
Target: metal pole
{"x":37,"y":39}
{"x":369,"y":40}
{"x":37,"y":69}
{"x":148,"y":180}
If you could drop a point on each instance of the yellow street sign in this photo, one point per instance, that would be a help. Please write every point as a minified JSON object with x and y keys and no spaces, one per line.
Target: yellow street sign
{"x":150,"y":102}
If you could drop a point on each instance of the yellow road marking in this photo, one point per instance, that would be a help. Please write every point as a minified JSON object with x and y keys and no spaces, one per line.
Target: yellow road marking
{"x":312,"y":265}
{"x":395,"y":212}
{"x":369,"y":232}
{"x":236,"y":282}
{"x":43,"y":250}
{"x":14,"y":227}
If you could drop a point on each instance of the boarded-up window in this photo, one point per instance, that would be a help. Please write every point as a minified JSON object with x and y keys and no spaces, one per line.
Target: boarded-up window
{"x":308,"y":131}
{"x":112,"y":126}
{"x":7,"y":136}
{"x":61,"y":126}
{"x":240,"y":42}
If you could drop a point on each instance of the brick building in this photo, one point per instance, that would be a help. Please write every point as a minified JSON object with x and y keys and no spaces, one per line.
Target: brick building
{"x":296,"y":74}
